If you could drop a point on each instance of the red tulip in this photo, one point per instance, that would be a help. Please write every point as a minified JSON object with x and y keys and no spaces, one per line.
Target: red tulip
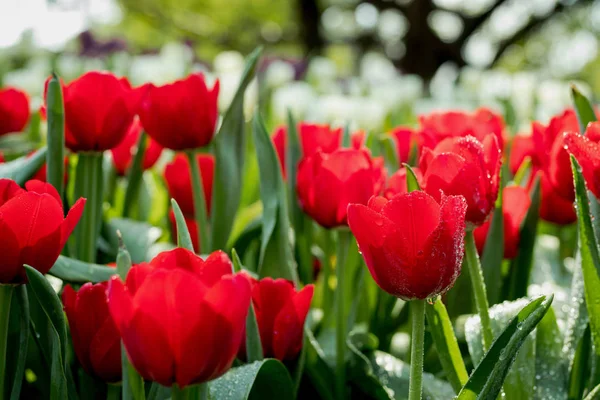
{"x":192,"y":227}
{"x":33,"y":229}
{"x":397,"y":183}
{"x":586,"y":150}
{"x":438,"y":126}
{"x":181,"y":318}
{"x":403,"y":137}
{"x":515,"y":203}
{"x":280,"y":314}
{"x":327,"y":183}
{"x":99,"y":108}
{"x":554,"y":208}
{"x":179,"y":181}
{"x":14,"y":110}
{"x":95,"y":337}
{"x":123,"y":154}
{"x":279,"y":139}
{"x":181,"y":115}
{"x":412,"y":245}
{"x":464,"y":166}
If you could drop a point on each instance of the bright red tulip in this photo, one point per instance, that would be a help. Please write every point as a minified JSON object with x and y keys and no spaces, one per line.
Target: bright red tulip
{"x":181,"y":115}
{"x":280,"y":313}
{"x":123,"y":154}
{"x":192,"y":227}
{"x":181,"y":318}
{"x":179,"y":182}
{"x":397,"y":182}
{"x":554,"y":208}
{"x":14,"y":110}
{"x":464,"y":166}
{"x":33,"y":229}
{"x":95,"y":337}
{"x":515,"y":203}
{"x":403,"y":136}
{"x":327,"y":183}
{"x":586,"y":150}
{"x":438,"y":126}
{"x":412,"y":245}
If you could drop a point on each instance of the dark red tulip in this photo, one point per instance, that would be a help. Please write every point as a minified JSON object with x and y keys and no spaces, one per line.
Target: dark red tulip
{"x":412,"y":245}
{"x":181,"y":115}
{"x":586,"y":150}
{"x":33,"y":229}
{"x":327,"y":183}
{"x":14,"y":110}
{"x":438,"y":126}
{"x":95,"y":337}
{"x":515,"y":203}
{"x":464,"y":166}
{"x":192,"y":227}
{"x":99,"y":108}
{"x":181,"y":318}
{"x":123,"y":154}
{"x":554,"y":208}
{"x":397,"y":182}
{"x":280,"y":313}
{"x":403,"y":136}
{"x":179,"y":181}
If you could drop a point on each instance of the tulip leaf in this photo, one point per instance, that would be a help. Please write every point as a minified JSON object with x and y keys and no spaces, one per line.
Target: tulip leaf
{"x":579,"y":371}
{"x":389,"y":152}
{"x":577,"y":315}
{"x":276,"y":258}
{"x":55,"y":155}
{"x":493,"y":253}
{"x":589,"y":255}
{"x":583,"y":109}
{"x":266,"y":379}
{"x":319,"y":373}
{"x":521,"y":177}
{"x":446,"y":344}
{"x":23,"y":168}
{"x":489,"y":375}
{"x":412,"y":183}
{"x":184,"y":239}
{"x":20,"y":312}
{"x":361,"y":371}
{"x":138,"y":237}
{"x":52,"y":310}
{"x":71,"y":270}
{"x":521,"y":266}
{"x":594,"y":394}
{"x":550,"y":364}
{"x":229,"y":150}
{"x":254,"y":350}
{"x":135,"y":173}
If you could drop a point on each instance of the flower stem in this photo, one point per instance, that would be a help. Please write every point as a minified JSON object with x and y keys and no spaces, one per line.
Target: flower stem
{"x":199,"y":203}
{"x":415,"y":387}
{"x":135,"y":174}
{"x":6,"y":292}
{"x":196,"y":392}
{"x":113,"y":392}
{"x":479,"y":291}
{"x":341,"y":313}
{"x":328,"y":250}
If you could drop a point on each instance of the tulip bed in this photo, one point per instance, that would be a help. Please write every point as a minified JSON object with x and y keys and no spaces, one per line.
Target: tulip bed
{"x":151,"y":248}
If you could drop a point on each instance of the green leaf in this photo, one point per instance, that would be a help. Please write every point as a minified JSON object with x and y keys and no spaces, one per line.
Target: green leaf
{"x":580,"y":372}
{"x":361,"y":371}
{"x":493,"y":253}
{"x":522,"y":175}
{"x":184,"y":239}
{"x":229,"y":150}
{"x":237,"y":263}
{"x":267,"y":379}
{"x":316,"y":367}
{"x":55,"y":137}
{"x":412,"y":182}
{"x":138,"y":237}
{"x":346,"y":136}
{"x":488,"y":377}
{"x":135,"y":173}
{"x":254,"y":350}
{"x":20,"y":296}
{"x":521,"y":266}
{"x":446,"y":344}
{"x":71,"y":270}
{"x":133,"y":383}
{"x":389,"y":152}
{"x":23,"y":168}
{"x":594,"y":394}
{"x":577,"y":315}
{"x":583,"y":108}
{"x":550,"y":365}
{"x":275,"y":243}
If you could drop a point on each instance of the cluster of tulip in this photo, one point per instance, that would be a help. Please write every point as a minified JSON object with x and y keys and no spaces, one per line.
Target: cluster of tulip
{"x":182,"y":318}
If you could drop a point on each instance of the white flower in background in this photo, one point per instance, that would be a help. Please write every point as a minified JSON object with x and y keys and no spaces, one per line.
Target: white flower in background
{"x":172,"y":63}
{"x":279,"y":73}
{"x":228,"y":84}
{"x":362,"y":112}
{"x":375,"y":67}
{"x":495,"y":85}
{"x":295,"y":96}
{"x":398,"y":91}
{"x":31,"y":78}
{"x":228,"y":61}
{"x":69,"y":66}
{"x":321,"y":71}
{"x":523,"y":95}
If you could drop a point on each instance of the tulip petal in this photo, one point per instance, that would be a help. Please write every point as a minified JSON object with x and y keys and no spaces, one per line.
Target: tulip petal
{"x":43,"y":187}
{"x":105,"y":351}
{"x":136,"y":277}
{"x":8,"y":190}
{"x":69,"y":223}
{"x":288,"y":327}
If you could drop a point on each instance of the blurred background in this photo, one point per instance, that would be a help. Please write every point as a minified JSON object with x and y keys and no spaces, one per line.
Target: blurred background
{"x":375,"y":63}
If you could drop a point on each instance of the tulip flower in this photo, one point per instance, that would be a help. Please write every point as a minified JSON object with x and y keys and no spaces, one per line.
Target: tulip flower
{"x":179,"y":182}
{"x":397,"y":183}
{"x":123,"y":154}
{"x":327,"y":183}
{"x":554,"y":208}
{"x":181,"y":318}
{"x":464,"y":166}
{"x":181,"y":115}
{"x":515,"y":203}
{"x":412,"y":245}
{"x":191,"y":225}
{"x":403,"y":137}
{"x":33,"y":229}
{"x":280,"y":313}
{"x":438,"y":126}
{"x":14,"y":110}
{"x":95,"y":337}
{"x":586,"y":150}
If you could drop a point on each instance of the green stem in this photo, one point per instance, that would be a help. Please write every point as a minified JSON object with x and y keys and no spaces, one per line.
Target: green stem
{"x":55,"y":136}
{"x":415,"y":387}
{"x":341,"y":313}
{"x":6,"y":292}
{"x":199,"y":203}
{"x":113,"y":392}
{"x":328,"y":249}
{"x":135,"y":174}
{"x":196,"y":392}
{"x":479,"y":291}
{"x":89,"y":184}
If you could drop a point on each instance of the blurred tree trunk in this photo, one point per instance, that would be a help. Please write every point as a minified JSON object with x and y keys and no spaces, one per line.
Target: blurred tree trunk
{"x":310,"y":16}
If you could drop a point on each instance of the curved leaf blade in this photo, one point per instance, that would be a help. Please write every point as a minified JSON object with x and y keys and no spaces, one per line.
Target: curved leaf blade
{"x":23,"y":168}
{"x":583,"y":108}
{"x":71,"y":270}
